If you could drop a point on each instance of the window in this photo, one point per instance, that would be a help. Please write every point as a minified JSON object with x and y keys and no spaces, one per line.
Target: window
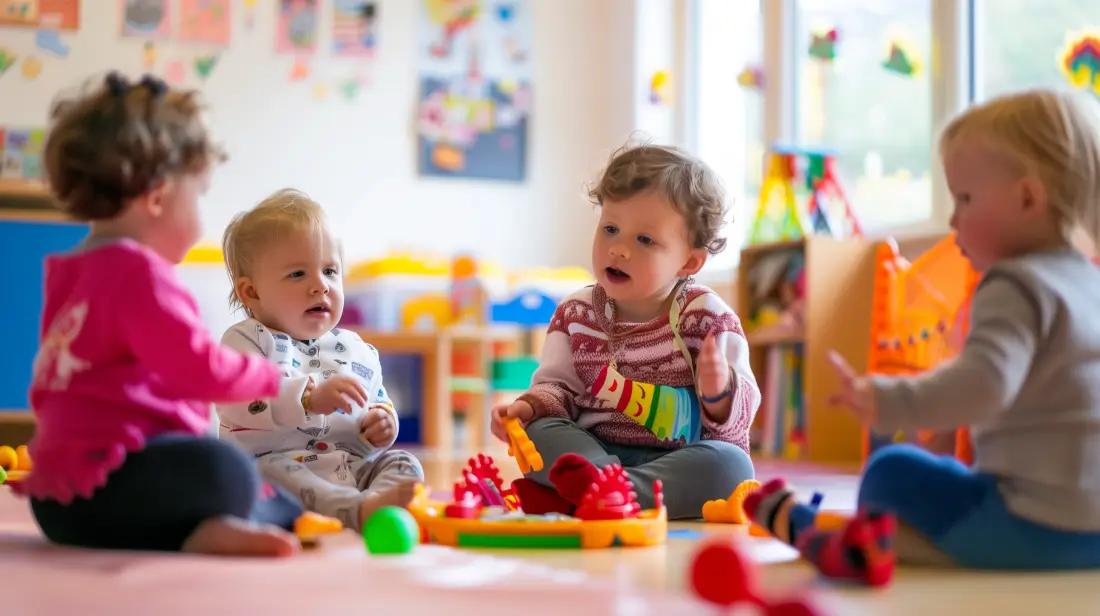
{"x":1020,"y":42}
{"x":729,"y":114}
{"x":863,"y":105}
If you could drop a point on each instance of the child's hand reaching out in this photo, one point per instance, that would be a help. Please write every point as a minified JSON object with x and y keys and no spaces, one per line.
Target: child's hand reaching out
{"x":855,"y":392}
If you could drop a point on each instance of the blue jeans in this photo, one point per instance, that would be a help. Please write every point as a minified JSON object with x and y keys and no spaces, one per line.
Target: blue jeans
{"x":962,"y":513}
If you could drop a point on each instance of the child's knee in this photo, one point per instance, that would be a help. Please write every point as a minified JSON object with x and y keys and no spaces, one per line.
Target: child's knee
{"x":725,"y":467}
{"x":545,"y":427}
{"x":403,"y":462}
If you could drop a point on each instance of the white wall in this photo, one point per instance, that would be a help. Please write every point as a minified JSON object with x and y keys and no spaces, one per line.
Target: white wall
{"x":358,"y":158}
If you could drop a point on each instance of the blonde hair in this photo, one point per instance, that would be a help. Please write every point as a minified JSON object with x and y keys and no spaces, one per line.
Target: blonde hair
{"x":284,"y":212}
{"x":1051,"y":135}
{"x":113,"y":140}
{"x":692,"y":187}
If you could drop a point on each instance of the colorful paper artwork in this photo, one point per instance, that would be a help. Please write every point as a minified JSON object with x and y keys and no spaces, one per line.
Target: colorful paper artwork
{"x":7,"y":59}
{"x":204,"y":65}
{"x":146,"y":18}
{"x":1080,"y":61}
{"x":823,"y":45}
{"x":297,"y":27}
{"x":475,"y":89}
{"x":32,"y":68}
{"x":51,"y":14}
{"x":354,"y":28}
{"x":21,"y":152}
{"x":175,"y":73}
{"x":660,"y":88}
{"x":902,"y":59}
{"x":50,"y":41}
{"x":205,"y":21}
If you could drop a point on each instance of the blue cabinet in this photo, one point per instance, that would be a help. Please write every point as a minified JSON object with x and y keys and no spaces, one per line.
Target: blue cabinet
{"x":24,"y":245}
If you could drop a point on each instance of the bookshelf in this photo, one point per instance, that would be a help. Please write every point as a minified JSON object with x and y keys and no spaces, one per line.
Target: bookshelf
{"x":836,"y":312}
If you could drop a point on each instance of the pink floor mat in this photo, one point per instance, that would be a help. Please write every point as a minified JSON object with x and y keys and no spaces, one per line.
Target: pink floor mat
{"x":38,"y":578}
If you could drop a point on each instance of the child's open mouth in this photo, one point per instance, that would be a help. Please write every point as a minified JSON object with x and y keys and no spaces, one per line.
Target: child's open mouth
{"x":616,"y":275}
{"x":318,"y":310}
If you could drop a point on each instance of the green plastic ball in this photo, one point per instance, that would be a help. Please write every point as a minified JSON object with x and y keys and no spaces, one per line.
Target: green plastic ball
{"x":391,"y":530}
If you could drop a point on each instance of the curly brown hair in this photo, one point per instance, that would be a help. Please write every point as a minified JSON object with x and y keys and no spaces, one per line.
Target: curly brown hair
{"x":115,"y":140}
{"x":689,"y":184}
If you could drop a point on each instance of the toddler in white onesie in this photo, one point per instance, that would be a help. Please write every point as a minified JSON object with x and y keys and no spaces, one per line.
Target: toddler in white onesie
{"x":327,"y":436}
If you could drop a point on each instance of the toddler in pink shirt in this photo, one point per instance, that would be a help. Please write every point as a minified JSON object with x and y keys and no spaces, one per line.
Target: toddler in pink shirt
{"x":126,"y":372}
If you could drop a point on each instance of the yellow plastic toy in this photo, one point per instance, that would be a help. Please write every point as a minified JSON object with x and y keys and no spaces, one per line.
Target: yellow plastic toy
{"x":521,"y":448}
{"x":15,"y":459}
{"x":730,"y":510}
{"x":309,"y":526}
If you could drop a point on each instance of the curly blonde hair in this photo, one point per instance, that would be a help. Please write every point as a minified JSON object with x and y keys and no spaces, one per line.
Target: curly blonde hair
{"x":284,"y":212}
{"x":689,"y":184}
{"x":1048,"y":134}
{"x":115,"y":140}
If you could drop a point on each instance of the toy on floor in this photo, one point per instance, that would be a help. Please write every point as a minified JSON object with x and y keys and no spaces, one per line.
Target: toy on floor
{"x":14,"y":463}
{"x":391,"y":530}
{"x":310,"y":526}
{"x":730,"y":510}
{"x":482,"y":513}
{"x":722,"y":575}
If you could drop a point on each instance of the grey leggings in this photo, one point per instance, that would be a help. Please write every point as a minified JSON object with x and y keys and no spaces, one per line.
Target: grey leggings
{"x":689,"y":476}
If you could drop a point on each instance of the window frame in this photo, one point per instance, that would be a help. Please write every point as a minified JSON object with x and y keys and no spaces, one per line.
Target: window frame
{"x":952,"y":65}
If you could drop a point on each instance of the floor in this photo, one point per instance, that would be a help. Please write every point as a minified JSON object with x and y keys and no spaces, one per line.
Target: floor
{"x":623,"y":581}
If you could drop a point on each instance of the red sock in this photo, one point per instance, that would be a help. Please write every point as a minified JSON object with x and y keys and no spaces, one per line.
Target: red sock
{"x":537,"y":499}
{"x":862,"y":552}
{"x":572,"y":475}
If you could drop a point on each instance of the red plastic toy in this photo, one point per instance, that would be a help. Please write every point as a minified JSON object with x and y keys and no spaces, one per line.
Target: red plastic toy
{"x":722,"y":575}
{"x":610,"y":497}
{"x":467,"y":503}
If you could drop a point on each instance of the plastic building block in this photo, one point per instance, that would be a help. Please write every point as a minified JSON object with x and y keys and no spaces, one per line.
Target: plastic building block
{"x":521,"y":448}
{"x":610,"y":497}
{"x":730,"y":510}
{"x":391,"y":530}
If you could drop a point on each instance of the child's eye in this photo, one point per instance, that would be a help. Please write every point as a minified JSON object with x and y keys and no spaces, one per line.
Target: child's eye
{"x":610,"y":229}
{"x":297,"y":274}
{"x":962,"y":199}
{"x":645,"y":240}
{"x":330,"y":271}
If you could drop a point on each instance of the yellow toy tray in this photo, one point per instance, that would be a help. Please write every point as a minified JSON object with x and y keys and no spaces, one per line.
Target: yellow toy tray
{"x":649,"y":528}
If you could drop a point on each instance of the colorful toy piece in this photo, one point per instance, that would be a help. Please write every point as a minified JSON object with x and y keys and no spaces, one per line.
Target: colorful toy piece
{"x":391,"y":530}
{"x":309,"y":526}
{"x":722,"y":575}
{"x":521,"y":448}
{"x":611,"y":496}
{"x":730,"y":510}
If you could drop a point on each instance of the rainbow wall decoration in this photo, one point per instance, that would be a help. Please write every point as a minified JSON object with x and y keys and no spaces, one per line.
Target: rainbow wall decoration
{"x":1080,"y":61}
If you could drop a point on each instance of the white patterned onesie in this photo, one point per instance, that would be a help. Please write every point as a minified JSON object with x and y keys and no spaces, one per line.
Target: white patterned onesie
{"x":320,"y":458}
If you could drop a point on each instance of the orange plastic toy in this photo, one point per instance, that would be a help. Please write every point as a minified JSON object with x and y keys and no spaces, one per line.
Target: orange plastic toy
{"x":730,"y":510}
{"x":309,"y":526}
{"x":919,"y":319}
{"x":521,"y":448}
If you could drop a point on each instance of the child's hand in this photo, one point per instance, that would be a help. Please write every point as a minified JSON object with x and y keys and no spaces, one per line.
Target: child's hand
{"x":339,"y":393}
{"x":518,"y":409}
{"x":378,"y":427}
{"x":713,"y":369}
{"x":855,"y":392}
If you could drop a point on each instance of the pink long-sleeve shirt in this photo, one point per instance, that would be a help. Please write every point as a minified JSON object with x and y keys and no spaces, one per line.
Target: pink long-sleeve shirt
{"x":124,"y":356}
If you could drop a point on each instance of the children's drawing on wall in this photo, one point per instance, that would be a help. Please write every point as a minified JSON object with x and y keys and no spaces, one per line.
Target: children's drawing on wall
{"x":7,"y":59}
{"x":354,"y":28}
{"x":32,"y":68}
{"x":146,"y":18}
{"x":204,"y":65}
{"x":902,"y":58}
{"x":21,"y":152}
{"x":205,"y":21}
{"x":296,"y":30}
{"x":1080,"y":61}
{"x":51,"y":14}
{"x":50,"y":41}
{"x":475,"y":90}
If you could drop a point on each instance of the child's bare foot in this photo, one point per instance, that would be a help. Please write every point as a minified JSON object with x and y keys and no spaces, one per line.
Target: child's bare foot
{"x":399,"y":495}
{"x":229,"y":536}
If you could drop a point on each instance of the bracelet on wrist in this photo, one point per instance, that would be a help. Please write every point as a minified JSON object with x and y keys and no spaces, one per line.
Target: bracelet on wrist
{"x":720,"y":397}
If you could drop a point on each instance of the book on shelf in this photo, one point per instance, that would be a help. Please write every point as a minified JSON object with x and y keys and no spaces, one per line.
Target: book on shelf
{"x":779,"y":429}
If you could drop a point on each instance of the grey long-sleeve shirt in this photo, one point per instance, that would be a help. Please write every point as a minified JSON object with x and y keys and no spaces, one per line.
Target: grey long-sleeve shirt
{"x":1027,"y":381}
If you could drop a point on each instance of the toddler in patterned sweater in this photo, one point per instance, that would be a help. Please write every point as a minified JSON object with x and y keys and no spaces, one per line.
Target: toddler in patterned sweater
{"x":645,"y":368}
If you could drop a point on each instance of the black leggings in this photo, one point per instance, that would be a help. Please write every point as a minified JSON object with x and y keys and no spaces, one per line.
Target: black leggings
{"x":161,"y":494}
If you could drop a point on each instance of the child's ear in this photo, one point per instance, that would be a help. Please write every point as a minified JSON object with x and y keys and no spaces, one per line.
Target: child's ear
{"x":246,"y":291}
{"x":1033,"y":197}
{"x":697,"y":258}
{"x":153,"y":201}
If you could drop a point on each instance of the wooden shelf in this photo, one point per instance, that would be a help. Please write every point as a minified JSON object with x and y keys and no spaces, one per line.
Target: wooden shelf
{"x":24,"y":189}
